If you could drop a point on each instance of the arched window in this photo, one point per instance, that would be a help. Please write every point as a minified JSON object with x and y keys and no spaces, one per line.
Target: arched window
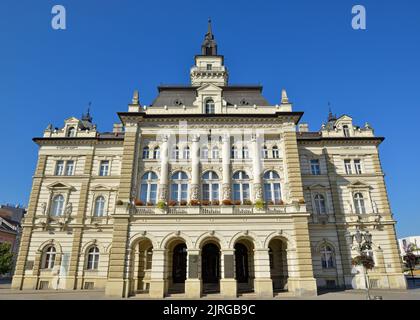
{"x":48,"y":258}
{"x":57,"y":207}
{"x":92,"y":258}
{"x":346,"y":130}
{"x":240,"y":186}
{"x":204,"y":153}
{"x":359,"y":203}
{"x":179,"y":186}
{"x":320,"y":207}
{"x":148,"y":187}
{"x":265,"y":152}
{"x":272,"y":190}
{"x":156,"y":153}
{"x":210,"y":106}
{"x":99,"y":206}
{"x":275,"y":152}
{"x":175,"y":153}
{"x":146,"y":153}
{"x":327,"y":257}
{"x":210,"y":186}
{"x":71,"y":132}
{"x":245,"y":153}
{"x":215,"y":153}
{"x":186,"y":153}
{"x":234,"y":153}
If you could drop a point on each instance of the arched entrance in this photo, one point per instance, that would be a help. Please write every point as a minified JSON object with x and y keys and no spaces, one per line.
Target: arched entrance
{"x":141,"y":266}
{"x":244,"y":266}
{"x":278,"y":264}
{"x":210,"y":268}
{"x":176,"y":267}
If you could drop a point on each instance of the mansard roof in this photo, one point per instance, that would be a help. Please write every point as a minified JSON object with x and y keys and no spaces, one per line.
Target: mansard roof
{"x":172,"y":95}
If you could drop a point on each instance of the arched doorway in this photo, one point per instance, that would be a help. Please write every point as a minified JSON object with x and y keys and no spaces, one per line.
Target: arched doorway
{"x":278,"y":264}
{"x":210,"y":268}
{"x":244,"y":266}
{"x":141,"y":266}
{"x":176,"y":266}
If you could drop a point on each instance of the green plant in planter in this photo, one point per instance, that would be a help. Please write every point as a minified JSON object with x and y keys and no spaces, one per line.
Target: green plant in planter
{"x":248,"y":202}
{"x":259,"y":204}
{"x":161,"y":205}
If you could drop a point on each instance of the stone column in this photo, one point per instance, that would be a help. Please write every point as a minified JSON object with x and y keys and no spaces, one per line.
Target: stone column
{"x":119,"y":251}
{"x":263,"y":282}
{"x":193,"y":282}
{"x":257,"y":168}
{"x":226,"y":186}
{"x":228,"y":287}
{"x":157,"y":277}
{"x":19,"y":274}
{"x":164,"y":170}
{"x":195,"y":169}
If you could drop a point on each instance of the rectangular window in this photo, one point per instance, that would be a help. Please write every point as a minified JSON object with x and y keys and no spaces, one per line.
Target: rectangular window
{"x":104,"y":168}
{"x":208,"y":66}
{"x":246,"y":191}
{"x":358,"y":166}
{"x":267,"y":192}
{"x":315,"y":167}
{"x":184,"y":192}
{"x":215,"y":192}
{"x":236,"y":192}
{"x":143,"y":193}
{"x":277,"y":194}
{"x":206,"y":192}
{"x":69,"y":168}
{"x":59,"y":168}
{"x":347,"y":166}
{"x":153,"y":193}
{"x":174,"y":192}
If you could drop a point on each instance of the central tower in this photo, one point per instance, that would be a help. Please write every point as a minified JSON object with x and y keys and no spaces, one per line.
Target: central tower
{"x":209,"y":66}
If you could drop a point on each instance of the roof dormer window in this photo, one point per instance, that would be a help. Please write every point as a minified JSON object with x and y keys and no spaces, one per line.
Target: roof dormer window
{"x":209,"y":107}
{"x":346,"y":130}
{"x":71,"y":132}
{"x":178,"y":102}
{"x":209,"y":66}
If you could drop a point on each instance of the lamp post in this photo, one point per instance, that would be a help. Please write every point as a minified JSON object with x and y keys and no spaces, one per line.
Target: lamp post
{"x":364,"y":242}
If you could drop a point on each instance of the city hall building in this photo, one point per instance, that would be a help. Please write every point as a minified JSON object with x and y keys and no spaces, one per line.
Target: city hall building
{"x":210,"y":190}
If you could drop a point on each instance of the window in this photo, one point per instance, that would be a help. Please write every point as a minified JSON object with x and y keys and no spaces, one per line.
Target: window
{"x":327,"y":257}
{"x":156,"y":153}
{"x":149,"y":258}
{"x":346,"y":131}
{"x":204,"y":153}
{"x":320,"y":207}
{"x":347,"y":166}
{"x":265,"y":152}
{"x":72,"y":132}
{"x":359,"y":203}
{"x":272,"y":189}
{"x":210,"y":106}
{"x":59,"y":168}
{"x":210,"y":186}
{"x":209,"y":67}
{"x":148,"y":188}
{"x":57,"y":207}
{"x":49,"y":258}
{"x":99,"y":206}
{"x":186,"y":154}
{"x":179,"y":186}
{"x":69,"y":168}
{"x":146,"y":153}
{"x":358,"y":166}
{"x":104,"y":168}
{"x":215,"y":153}
{"x":175,"y":153}
{"x":276,"y":152}
{"x":93,"y":258}
{"x":234,"y":153}
{"x":315,"y":167}
{"x":245,"y":153}
{"x":241,"y":186}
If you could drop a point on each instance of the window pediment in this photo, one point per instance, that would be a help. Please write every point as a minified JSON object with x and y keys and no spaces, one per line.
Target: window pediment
{"x":317,"y":186}
{"x":359,"y":185}
{"x":59,"y":186}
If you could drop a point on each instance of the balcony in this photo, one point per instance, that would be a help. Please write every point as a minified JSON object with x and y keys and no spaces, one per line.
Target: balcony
{"x":221,"y":210}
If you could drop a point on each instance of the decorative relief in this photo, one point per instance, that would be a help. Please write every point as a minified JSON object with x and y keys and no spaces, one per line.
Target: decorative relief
{"x":163,"y":192}
{"x":258,"y":191}
{"x":227,"y":191}
{"x":194,"y":193}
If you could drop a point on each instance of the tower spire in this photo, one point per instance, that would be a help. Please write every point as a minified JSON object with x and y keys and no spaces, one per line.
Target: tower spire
{"x":331,"y":117}
{"x":209,"y":46}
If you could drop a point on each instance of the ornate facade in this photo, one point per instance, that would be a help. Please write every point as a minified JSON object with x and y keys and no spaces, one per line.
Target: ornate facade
{"x":209,"y":190}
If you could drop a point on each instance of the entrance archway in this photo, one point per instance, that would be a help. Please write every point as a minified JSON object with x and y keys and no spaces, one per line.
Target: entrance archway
{"x":176,"y":267}
{"x":141,"y":266}
{"x":210,"y":268}
{"x":244,"y":265}
{"x":278,"y":264}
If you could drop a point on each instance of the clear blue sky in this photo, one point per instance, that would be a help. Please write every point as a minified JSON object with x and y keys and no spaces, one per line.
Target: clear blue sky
{"x":308,"y":47}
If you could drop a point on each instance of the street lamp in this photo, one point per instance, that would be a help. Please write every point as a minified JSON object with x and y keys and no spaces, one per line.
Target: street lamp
{"x":364,"y":242}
